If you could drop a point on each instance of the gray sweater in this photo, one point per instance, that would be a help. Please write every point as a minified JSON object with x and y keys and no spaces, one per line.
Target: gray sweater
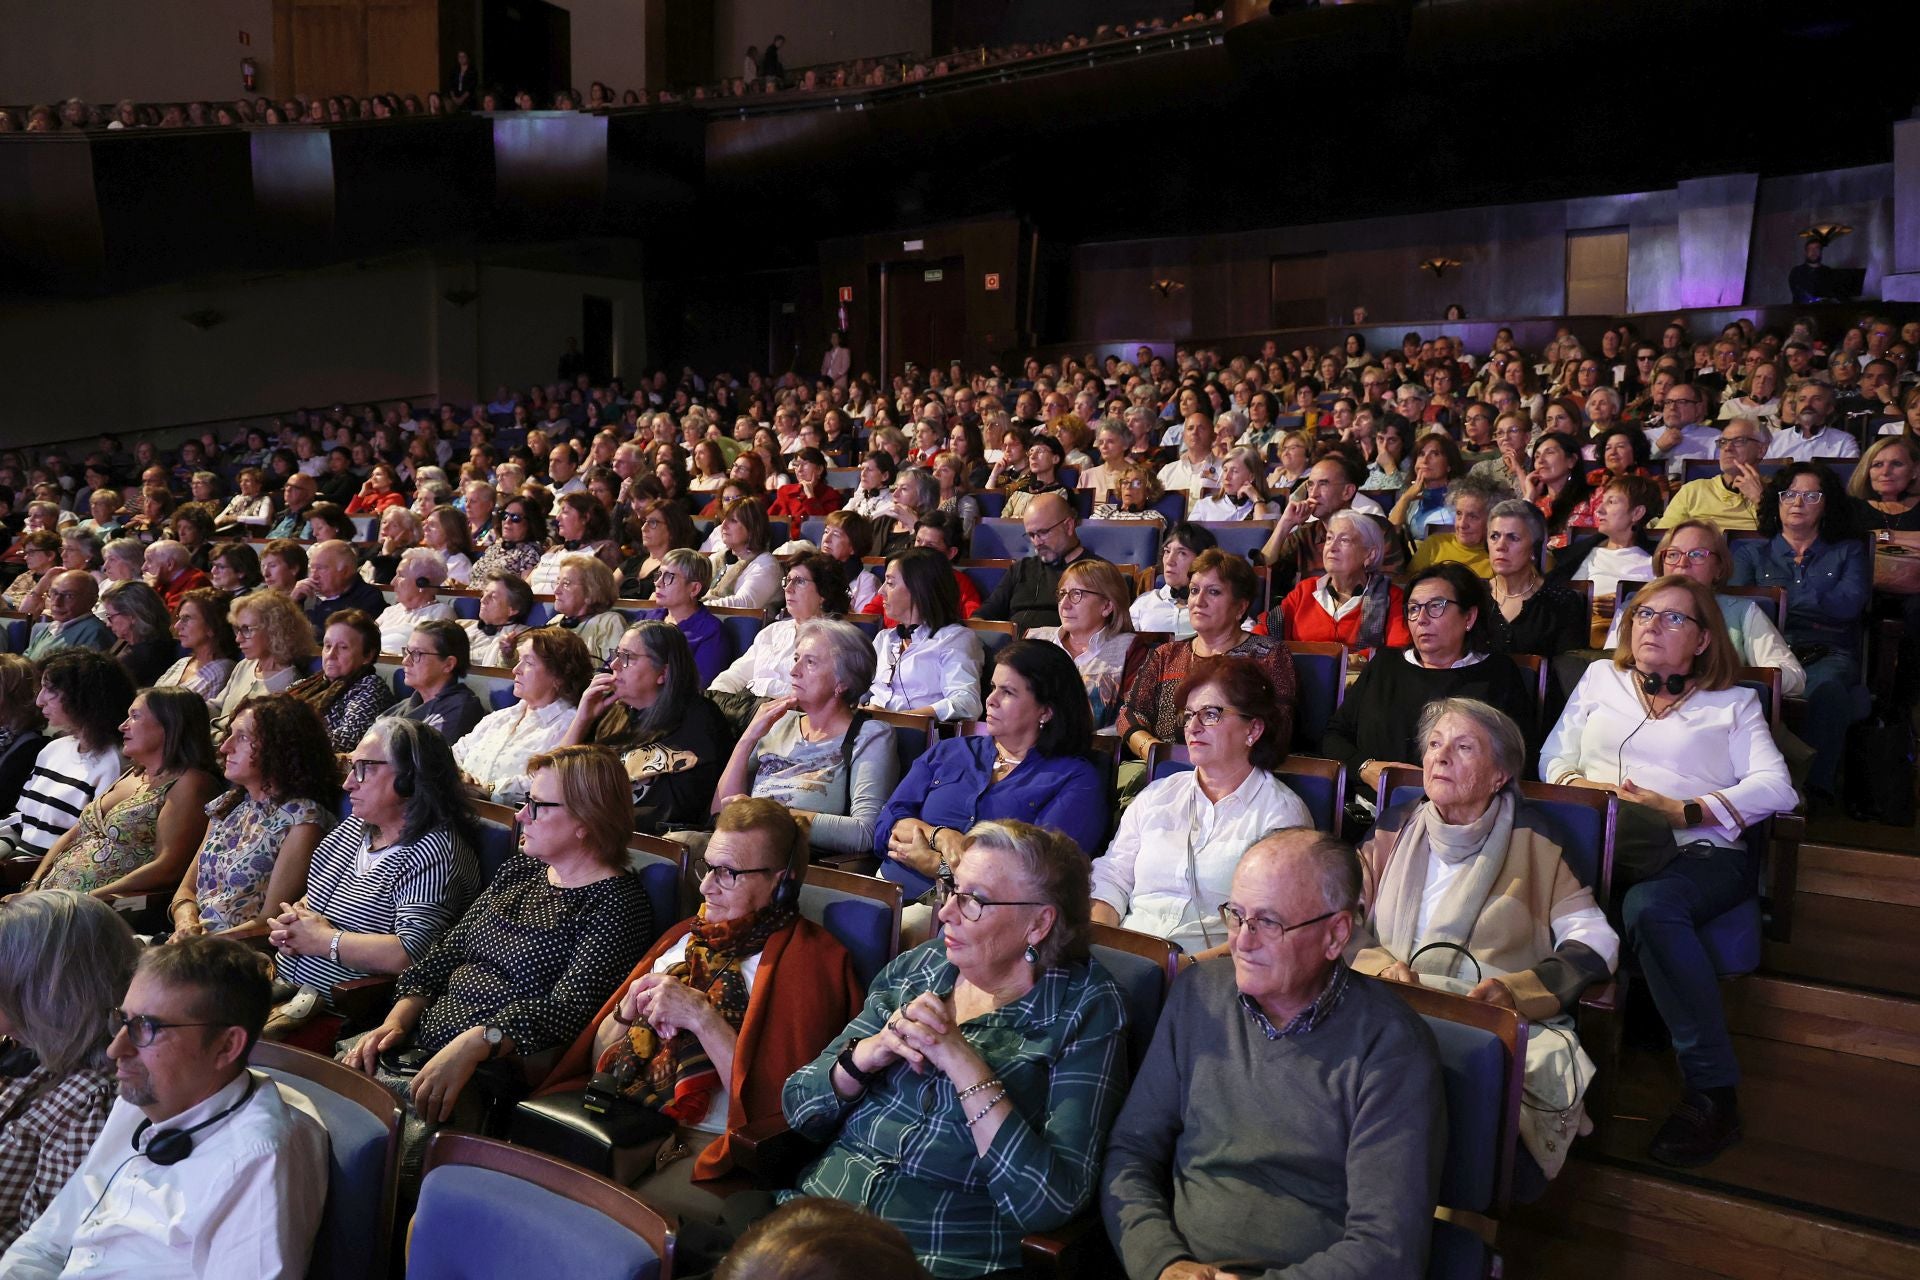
{"x":1318,"y":1153}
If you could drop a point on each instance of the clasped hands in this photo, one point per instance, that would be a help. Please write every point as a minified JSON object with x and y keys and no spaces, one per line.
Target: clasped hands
{"x":924,"y":1032}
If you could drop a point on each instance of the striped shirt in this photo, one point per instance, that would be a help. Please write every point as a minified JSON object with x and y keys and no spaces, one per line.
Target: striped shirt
{"x":64,"y":778}
{"x":902,"y":1149}
{"x":415,"y":891}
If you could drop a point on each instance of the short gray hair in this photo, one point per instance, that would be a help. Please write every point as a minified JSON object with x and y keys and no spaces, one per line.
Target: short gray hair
{"x":130,"y":550}
{"x":922,"y":480}
{"x":1529,"y":515}
{"x":1363,"y":527}
{"x":1061,"y":878}
{"x":1484,"y":487}
{"x":427,"y":563}
{"x":854,"y":659}
{"x":1502,"y":734}
{"x":65,"y":960}
{"x":1609,"y":392}
{"x":168,"y":550}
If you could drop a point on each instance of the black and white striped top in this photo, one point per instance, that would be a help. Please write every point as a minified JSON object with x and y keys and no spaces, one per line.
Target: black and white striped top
{"x":413,"y":890}
{"x":64,"y":778}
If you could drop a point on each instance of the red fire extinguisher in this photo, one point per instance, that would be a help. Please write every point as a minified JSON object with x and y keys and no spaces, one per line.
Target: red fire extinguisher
{"x":248,"y":71}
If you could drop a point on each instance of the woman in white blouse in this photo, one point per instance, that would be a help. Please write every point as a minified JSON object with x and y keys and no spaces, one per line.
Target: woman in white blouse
{"x":551,"y":674}
{"x":745,"y":574}
{"x":1095,"y":630}
{"x":201,"y":627}
{"x":416,"y":596}
{"x":1689,"y":754}
{"x":1171,"y":864}
{"x":930,"y":663}
{"x":1165,"y":607}
{"x":251,"y":507}
{"x":814,"y":587}
{"x":1243,"y":493}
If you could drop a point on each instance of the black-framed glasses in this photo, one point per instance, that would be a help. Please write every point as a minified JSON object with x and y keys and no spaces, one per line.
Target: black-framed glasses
{"x":1041,"y":533}
{"x":971,"y":904}
{"x":729,"y":876}
{"x":1435,"y":608}
{"x":361,"y":768}
{"x":532,"y":807}
{"x":513,"y":517}
{"x":1670,"y":619}
{"x":419,"y":655}
{"x":1207,"y":716}
{"x":665,"y":578}
{"x":141,"y":1028}
{"x":1266,"y":928}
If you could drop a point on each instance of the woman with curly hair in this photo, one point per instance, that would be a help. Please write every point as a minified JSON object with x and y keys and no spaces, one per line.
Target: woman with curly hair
{"x":260,"y":834}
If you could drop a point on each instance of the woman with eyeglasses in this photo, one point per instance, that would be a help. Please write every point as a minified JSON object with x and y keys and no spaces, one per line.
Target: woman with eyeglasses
{"x":812,"y":588}
{"x":526,"y":966}
{"x":1377,"y":725}
{"x":988,"y":1064}
{"x":276,"y":643}
{"x":517,"y":547}
{"x":1689,"y":753}
{"x":1096,"y":631}
{"x":1172,"y":860}
{"x":664,"y":526}
{"x":141,"y":626}
{"x":1813,"y":550}
{"x":65,"y":962}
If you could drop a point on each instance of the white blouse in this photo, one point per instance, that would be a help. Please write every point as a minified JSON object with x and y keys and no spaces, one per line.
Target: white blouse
{"x":752,"y":585}
{"x":396,"y":622}
{"x":940,"y":669}
{"x":497,"y":749}
{"x":766,"y":668}
{"x":1157,"y":610}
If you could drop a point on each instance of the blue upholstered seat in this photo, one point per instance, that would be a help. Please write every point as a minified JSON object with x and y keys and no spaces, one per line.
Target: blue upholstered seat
{"x":995,"y":539}
{"x":741,"y":628}
{"x":1143,"y":984}
{"x":864,"y":926}
{"x":352,"y":1239}
{"x":1134,"y":542}
{"x":1319,"y":681}
{"x":478,"y":1224}
{"x":498,"y":842}
{"x":660,"y":877}
{"x":1321,"y":795}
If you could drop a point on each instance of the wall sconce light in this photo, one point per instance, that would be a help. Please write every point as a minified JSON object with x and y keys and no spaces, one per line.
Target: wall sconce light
{"x":1825,"y":233}
{"x":1440,"y":266}
{"x":1166,"y":287}
{"x":203,"y":320}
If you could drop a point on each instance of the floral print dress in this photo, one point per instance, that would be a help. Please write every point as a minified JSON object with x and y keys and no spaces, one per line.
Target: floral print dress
{"x":243,"y":842}
{"x":112,"y":843}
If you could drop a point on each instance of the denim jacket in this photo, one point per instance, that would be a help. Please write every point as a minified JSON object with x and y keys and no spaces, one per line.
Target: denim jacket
{"x":1825,"y":596}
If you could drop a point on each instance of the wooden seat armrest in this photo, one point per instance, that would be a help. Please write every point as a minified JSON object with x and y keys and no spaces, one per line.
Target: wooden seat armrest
{"x":254,"y":934}
{"x":363,"y":1002}
{"x":771,"y":1151}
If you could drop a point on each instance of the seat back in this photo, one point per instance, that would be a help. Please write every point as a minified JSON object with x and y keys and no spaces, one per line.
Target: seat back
{"x":994,"y":636}
{"x":662,"y":866}
{"x":997,"y":539}
{"x":499,"y":837}
{"x":913,"y":735}
{"x":363,"y":1159}
{"x":492,"y":685}
{"x":741,"y":626}
{"x":492,"y":1210}
{"x":1122,"y":541}
{"x":1173,"y":506}
{"x":814,"y":528}
{"x":1240,"y":537}
{"x":1534,"y":668}
{"x":1320,"y":685}
{"x":862,"y":912}
{"x":1765,"y":683}
{"x":1144,"y":967}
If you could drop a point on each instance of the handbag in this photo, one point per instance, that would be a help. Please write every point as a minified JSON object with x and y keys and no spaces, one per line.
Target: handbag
{"x":1896,"y":569}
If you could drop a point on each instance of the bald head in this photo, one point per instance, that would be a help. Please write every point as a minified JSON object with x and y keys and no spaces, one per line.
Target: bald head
{"x":73,"y":595}
{"x":1322,"y":867}
{"x":163,"y":559}
{"x":1051,"y":528}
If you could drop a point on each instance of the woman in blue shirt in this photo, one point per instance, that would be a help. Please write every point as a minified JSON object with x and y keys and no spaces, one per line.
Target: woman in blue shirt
{"x":1029,"y":765}
{"x":1813,"y":550}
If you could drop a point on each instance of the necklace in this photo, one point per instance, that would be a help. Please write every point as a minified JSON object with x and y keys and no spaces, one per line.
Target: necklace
{"x":1533,"y":585}
{"x":1004,"y":761}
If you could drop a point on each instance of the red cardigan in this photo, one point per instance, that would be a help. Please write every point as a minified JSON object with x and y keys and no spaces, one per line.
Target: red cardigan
{"x":804,"y":994}
{"x":1307,"y":620}
{"x":792,"y":503}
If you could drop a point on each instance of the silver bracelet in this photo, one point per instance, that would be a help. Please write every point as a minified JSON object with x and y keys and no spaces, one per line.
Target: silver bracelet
{"x":333,"y":947}
{"x":991,"y":1104}
{"x":972,"y":1089}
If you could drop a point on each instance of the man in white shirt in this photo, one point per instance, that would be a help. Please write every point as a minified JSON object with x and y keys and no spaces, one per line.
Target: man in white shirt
{"x":1197,"y":471}
{"x":1684,"y":432}
{"x":204,"y":1169}
{"x":1812,"y":434}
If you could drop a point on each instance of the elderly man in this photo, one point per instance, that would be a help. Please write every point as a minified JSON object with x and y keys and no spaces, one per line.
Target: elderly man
{"x":299,"y":493}
{"x":1730,"y":500}
{"x":1816,"y":432}
{"x":1293,"y":548}
{"x":477,"y":499}
{"x":168,"y":565}
{"x":1026,"y":594}
{"x":71,"y":623}
{"x":1288,"y":1116}
{"x":203,"y":1168}
{"x":333,"y":582}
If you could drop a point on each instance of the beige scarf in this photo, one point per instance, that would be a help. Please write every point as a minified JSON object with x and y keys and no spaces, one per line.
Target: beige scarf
{"x":1396,"y":911}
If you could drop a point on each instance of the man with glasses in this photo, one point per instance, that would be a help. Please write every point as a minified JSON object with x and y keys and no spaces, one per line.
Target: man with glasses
{"x":333,"y":583}
{"x":1816,"y":431}
{"x":204,"y":1168}
{"x":300,"y":491}
{"x":1324,"y":1085}
{"x":1026,"y":595}
{"x":1295,"y":548}
{"x":71,"y":623}
{"x":1731,"y":500}
{"x":1684,"y":430}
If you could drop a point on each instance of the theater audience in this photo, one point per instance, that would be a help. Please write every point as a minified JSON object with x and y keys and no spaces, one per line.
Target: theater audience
{"x":1346,"y":1130}
{"x":1171,"y":862}
{"x":1023,"y":1106}
{"x":1690,"y":756}
{"x":506,"y":602}
{"x":1532,"y":611}
{"x":20,"y":727}
{"x":929,"y":662}
{"x":1351,"y":602}
{"x":65,"y":961}
{"x":812,"y":588}
{"x":142,"y":631}
{"x":416,"y":592}
{"x":434,"y":662}
{"x":83,"y":697}
{"x":276,"y":645}
{"x":1096,"y":631}
{"x":549,"y":676}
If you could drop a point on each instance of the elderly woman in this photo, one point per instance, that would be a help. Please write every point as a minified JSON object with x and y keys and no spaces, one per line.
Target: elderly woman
{"x":647,"y":707}
{"x":524,"y":969}
{"x":506,"y":601}
{"x":384,"y":884}
{"x":40,"y":548}
{"x":122,"y":560}
{"x":348,"y":693}
{"x":399,"y":534}
{"x":745,"y":574}
{"x":1619,"y":548}
{"x":812,"y":588}
{"x":282,"y":565}
{"x":1171,"y":863}
{"x":1136,"y":488}
{"x":416,"y":598}
{"x":1096,"y":631}
{"x":446,"y":533}
{"x":65,"y":961}
{"x":915,"y":494}
{"x":929,"y":662}
{"x":1696,"y":549}
{"x":1351,"y":602}
{"x":520,"y":540}
{"x":1532,"y":611}
{"x":811,"y":750}
{"x":583,"y":525}
{"x":141,"y":628}
{"x":20,"y":727}
{"x":722,"y":1009}
{"x":1436,"y":465}
{"x":260,"y":837}
{"x":664,"y":526}
{"x":1378,"y":722}
{"x":1469,"y":886}
{"x":1243,"y":492}
{"x":276,"y":643}
{"x":1691,"y":757}
{"x":1811,"y":549}
{"x":583,"y":596}
{"x":1018,"y":1109}
{"x":434,"y":663}
{"x":1468,"y":500}
{"x":139,"y":833}
{"x":1029,"y":764}
{"x":548,"y":678}
{"x":1220,"y":591}
{"x":252,"y":507}
{"x":83,"y":697}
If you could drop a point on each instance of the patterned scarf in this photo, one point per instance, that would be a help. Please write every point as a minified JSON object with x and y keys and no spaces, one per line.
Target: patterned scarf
{"x":675,"y":1076}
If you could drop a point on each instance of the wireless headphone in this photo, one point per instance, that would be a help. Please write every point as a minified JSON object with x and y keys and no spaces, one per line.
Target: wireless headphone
{"x":423,"y":582}
{"x":171,"y":1146}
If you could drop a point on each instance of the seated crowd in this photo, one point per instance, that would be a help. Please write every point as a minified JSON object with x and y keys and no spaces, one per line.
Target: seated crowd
{"x":744,"y":617}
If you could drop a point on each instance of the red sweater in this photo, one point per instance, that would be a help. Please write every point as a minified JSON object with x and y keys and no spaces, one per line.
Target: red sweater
{"x":1307,"y":620}
{"x":969,"y":599}
{"x":792,"y":502}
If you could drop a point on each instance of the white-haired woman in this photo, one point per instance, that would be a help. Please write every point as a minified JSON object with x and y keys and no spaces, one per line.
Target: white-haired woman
{"x":1352,"y":602}
{"x":416,"y":595}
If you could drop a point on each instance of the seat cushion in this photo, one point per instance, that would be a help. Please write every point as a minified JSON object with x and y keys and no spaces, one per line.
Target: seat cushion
{"x":477,"y":1224}
{"x":1732,"y":939}
{"x":1144,"y":986}
{"x":349,"y":1242}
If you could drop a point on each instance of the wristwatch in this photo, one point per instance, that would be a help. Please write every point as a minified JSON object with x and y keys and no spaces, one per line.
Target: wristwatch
{"x":1692,"y":814}
{"x":494,"y":1037}
{"x":845,"y":1063}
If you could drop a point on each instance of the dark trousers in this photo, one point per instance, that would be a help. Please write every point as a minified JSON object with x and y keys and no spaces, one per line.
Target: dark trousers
{"x":1834,"y":701}
{"x":1662,"y":917}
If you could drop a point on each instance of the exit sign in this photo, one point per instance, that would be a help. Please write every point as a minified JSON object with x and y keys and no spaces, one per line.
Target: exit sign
{"x":934,"y":275}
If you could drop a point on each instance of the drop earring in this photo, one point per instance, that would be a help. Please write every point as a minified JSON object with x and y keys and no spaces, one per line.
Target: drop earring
{"x":1030,"y":955}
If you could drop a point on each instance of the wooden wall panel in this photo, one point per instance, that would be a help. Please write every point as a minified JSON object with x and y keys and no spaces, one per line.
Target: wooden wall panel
{"x":402,"y":46}
{"x":329,"y":49}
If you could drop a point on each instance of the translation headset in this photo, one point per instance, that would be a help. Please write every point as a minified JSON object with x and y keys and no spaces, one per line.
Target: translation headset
{"x":423,"y":582}
{"x":171,"y":1146}
{"x":406,"y":765}
{"x":1651,"y":683}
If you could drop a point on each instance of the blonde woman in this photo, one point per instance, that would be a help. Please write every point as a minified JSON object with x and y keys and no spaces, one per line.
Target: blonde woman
{"x":276,"y":641}
{"x":1095,"y":630}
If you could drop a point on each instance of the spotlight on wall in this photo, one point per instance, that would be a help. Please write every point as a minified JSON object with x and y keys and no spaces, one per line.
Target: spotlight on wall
{"x":1166,"y":287}
{"x":462,"y":298}
{"x":203,"y":320}
{"x":1439,"y":266}
{"x":1825,"y":233}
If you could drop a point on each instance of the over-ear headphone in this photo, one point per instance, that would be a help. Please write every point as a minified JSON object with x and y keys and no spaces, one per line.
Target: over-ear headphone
{"x":171,"y":1146}
{"x":406,"y":765}
{"x":1651,"y":684}
{"x":786,"y":893}
{"x":423,"y":582}
{"x":16,"y":1059}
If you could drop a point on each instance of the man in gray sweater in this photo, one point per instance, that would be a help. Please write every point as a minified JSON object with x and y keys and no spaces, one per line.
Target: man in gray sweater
{"x":1289,"y":1115}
